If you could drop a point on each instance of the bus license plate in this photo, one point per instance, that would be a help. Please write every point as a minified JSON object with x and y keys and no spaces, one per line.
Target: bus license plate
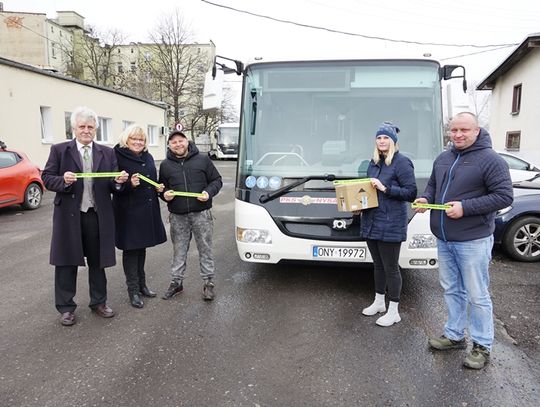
{"x":332,"y":252}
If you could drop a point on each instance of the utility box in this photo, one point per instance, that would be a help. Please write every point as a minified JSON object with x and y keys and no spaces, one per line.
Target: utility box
{"x":355,"y":196}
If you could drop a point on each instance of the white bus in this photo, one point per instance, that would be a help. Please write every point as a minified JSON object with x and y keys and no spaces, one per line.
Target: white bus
{"x":304,"y":124}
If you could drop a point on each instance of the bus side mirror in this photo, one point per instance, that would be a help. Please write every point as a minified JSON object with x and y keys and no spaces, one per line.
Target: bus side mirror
{"x":446,"y":72}
{"x":239,"y":67}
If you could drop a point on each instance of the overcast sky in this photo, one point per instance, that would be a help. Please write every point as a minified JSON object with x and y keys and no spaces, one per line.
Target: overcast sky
{"x":244,"y":36}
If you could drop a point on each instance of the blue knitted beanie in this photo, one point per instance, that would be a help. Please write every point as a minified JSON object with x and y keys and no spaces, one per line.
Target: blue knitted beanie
{"x":388,"y":129}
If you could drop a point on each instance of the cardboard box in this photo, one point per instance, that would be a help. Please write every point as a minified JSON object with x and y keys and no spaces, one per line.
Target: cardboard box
{"x":356,"y":196}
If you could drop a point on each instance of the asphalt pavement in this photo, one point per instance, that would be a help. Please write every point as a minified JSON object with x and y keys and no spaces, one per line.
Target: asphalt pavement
{"x":276,"y":335}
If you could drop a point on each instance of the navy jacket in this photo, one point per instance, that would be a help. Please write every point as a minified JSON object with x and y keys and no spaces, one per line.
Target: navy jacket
{"x":193,"y":173}
{"x":136,"y":210}
{"x":479,"y":178}
{"x":388,"y":222}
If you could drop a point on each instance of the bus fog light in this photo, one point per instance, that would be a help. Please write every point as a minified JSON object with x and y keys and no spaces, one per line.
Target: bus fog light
{"x":423,"y":242}
{"x":253,"y":235}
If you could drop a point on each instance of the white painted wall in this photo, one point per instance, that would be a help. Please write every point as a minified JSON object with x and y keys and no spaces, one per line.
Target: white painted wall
{"x":22,"y":92}
{"x":526,"y":72}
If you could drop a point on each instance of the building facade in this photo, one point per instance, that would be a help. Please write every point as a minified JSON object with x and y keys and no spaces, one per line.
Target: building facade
{"x":515,"y":100}
{"x":37,"y":104}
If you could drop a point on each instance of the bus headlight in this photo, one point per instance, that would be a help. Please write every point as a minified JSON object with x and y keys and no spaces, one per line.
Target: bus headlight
{"x":253,"y":236}
{"x":423,"y":241}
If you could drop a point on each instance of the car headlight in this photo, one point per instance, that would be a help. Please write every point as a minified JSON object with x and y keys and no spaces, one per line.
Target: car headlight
{"x":426,"y":241}
{"x":253,"y":235}
{"x":502,"y":211}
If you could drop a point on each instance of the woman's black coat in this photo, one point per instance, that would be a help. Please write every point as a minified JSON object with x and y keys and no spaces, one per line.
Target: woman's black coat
{"x":137,"y":213}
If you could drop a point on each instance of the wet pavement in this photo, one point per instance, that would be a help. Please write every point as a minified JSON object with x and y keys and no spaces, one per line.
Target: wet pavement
{"x":276,"y":335}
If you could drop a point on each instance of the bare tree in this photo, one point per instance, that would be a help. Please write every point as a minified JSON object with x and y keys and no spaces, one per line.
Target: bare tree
{"x":479,"y":102}
{"x":95,"y":54}
{"x":178,"y":68}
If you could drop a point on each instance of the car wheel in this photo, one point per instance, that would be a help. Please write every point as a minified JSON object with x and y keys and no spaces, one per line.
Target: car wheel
{"x":522,"y":240}
{"x":32,"y":197}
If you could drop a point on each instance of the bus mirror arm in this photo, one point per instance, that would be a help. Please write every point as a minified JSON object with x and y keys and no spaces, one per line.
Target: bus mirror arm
{"x":446,"y":72}
{"x":276,"y":194}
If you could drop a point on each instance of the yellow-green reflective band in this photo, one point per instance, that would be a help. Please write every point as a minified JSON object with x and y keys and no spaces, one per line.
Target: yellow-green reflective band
{"x":430,"y":206}
{"x":149,"y":181}
{"x":351,"y":181}
{"x":97,"y":174}
{"x":189,"y":194}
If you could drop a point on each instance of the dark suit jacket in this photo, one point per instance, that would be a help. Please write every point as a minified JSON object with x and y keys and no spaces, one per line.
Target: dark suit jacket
{"x":66,"y":243}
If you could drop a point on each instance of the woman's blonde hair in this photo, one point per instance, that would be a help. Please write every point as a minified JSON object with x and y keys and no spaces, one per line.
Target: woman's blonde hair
{"x":392,"y":148}
{"x":130,"y":131}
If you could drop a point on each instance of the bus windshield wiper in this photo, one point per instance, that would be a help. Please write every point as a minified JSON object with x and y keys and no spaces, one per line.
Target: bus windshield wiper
{"x":276,"y":194}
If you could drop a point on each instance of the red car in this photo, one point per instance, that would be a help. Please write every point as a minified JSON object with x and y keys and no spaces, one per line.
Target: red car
{"x":20,"y":180}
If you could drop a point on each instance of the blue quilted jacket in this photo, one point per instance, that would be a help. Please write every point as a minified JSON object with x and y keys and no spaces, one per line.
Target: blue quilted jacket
{"x":388,"y":222}
{"x":479,"y":178}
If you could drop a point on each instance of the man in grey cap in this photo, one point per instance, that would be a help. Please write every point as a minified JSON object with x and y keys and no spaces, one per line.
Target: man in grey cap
{"x":185,"y":170}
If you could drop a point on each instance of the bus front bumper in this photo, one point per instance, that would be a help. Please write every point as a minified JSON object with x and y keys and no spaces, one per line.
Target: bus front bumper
{"x":267,"y":244}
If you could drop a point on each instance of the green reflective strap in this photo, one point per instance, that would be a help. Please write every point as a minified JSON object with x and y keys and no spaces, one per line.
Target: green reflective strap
{"x":189,"y":194}
{"x":145,"y":179}
{"x":430,"y":206}
{"x":351,"y":181}
{"x":97,"y":174}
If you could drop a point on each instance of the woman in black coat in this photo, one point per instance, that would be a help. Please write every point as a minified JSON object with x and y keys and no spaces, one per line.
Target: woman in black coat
{"x":137,"y":213}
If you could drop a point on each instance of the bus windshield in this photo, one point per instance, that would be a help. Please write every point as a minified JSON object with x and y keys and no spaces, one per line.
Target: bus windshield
{"x":302,"y":119}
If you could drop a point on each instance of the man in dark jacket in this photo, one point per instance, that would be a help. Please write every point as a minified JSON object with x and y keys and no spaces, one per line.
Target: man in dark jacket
{"x":83,"y":222}
{"x":185,"y":170}
{"x":475,"y":181}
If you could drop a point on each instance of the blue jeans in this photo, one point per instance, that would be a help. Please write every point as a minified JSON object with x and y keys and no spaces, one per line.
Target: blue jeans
{"x":464,"y":276}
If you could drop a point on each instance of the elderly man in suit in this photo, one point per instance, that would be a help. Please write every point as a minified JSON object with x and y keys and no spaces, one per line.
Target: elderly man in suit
{"x":83,"y":223}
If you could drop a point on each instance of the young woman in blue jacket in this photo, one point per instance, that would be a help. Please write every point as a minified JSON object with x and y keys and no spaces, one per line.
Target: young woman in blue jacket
{"x":385,"y":226}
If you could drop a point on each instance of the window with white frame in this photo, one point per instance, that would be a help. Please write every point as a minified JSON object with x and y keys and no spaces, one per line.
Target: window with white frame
{"x":104,"y":130}
{"x":46,"y":124}
{"x":127,"y":123}
{"x":152,"y":135}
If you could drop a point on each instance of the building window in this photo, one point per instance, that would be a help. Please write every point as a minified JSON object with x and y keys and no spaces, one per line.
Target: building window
{"x":53,"y":50}
{"x":104,"y":130}
{"x":133,"y":67}
{"x":127,"y":123}
{"x":120,"y":67}
{"x":516,"y":99}
{"x":67,"y":125}
{"x":513,"y":140}
{"x":147,"y":56}
{"x":152,"y":135}
{"x":46,"y":124}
